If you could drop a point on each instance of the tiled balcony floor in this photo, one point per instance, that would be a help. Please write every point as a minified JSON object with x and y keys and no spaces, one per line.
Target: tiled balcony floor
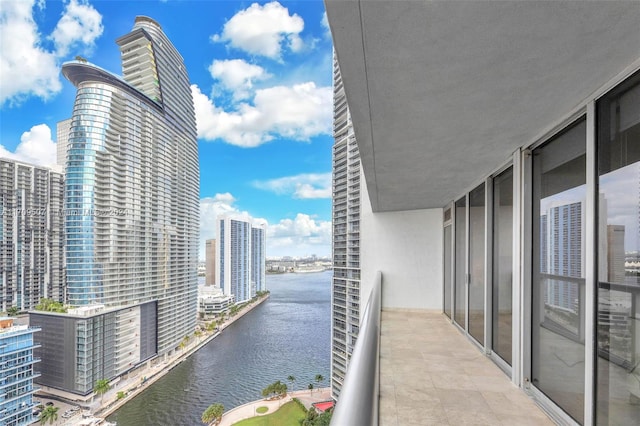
{"x":430,"y":374}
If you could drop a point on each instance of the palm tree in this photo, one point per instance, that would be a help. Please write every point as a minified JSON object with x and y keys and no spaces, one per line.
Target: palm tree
{"x":291,"y":379}
{"x":102,"y":386}
{"x":197,"y":333}
{"x":319,"y":379}
{"x":213,"y":413}
{"x":49,"y":413}
{"x":310,"y":387}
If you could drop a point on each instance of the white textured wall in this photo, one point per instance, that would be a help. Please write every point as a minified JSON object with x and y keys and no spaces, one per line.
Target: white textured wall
{"x":407,"y":247}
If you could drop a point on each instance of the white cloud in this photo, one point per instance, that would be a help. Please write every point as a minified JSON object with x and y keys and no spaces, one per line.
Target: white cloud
{"x":302,"y":235}
{"x":308,"y":185}
{"x":298,"y":112}
{"x":324,"y":23}
{"x":238,"y":76}
{"x":26,"y":68}
{"x":293,"y":237}
{"x":262,"y":30}
{"x":80,"y":25}
{"x":31,"y":69}
{"x":36,"y":147}
{"x":210,"y":209}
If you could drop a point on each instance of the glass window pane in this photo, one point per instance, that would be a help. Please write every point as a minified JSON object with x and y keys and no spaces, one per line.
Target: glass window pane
{"x":447,"y":270}
{"x":476,"y":263}
{"x":502,"y":264}
{"x":558,"y":284}
{"x":618,"y":387}
{"x":460,"y":262}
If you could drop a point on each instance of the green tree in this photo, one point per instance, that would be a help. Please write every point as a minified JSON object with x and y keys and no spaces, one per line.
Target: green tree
{"x":50,"y":414}
{"x":13,"y":311}
{"x":310,"y":420}
{"x":197,"y":333}
{"x":310,"y":387}
{"x":102,"y":386}
{"x":319,"y":379}
{"x":211,"y":326}
{"x":291,"y":380}
{"x":213,"y":413}
{"x":120,"y":395}
{"x":50,"y":305}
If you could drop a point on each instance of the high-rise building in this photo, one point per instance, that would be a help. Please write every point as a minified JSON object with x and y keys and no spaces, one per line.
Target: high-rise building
{"x":16,"y":373}
{"x":133,"y":184}
{"x":258,"y":258}
{"x":562,"y":248}
{"x":210,"y":262}
{"x":62,"y":141}
{"x":346,"y":236}
{"x":31,"y":235}
{"x":240,"y":256}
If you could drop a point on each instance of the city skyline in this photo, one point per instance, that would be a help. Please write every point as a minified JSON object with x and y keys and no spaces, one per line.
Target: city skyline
{"x":256,"y":160}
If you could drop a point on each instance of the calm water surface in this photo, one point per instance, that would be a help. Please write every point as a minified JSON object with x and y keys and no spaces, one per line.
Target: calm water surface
{"x":289,"y":334}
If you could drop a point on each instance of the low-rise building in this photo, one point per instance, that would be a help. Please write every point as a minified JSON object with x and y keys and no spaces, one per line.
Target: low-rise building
{"x":16,"y":373}
{"x":212,"y":301}
{"x":92,"y":343}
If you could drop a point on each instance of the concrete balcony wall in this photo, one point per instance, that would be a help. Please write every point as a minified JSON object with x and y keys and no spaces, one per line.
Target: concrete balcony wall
{"x":407,"y":247}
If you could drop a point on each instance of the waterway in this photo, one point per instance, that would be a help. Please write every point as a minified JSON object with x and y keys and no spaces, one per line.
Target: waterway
{"x":289,"y":334}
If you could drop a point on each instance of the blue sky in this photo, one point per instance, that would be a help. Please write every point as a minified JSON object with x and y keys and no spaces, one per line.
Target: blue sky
{"x":261,"y":80}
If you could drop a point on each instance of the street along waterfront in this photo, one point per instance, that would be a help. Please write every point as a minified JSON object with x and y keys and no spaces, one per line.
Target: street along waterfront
{"x":289,"y":334}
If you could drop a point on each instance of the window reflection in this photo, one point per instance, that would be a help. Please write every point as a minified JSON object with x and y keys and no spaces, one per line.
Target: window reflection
{"x":559,"y":196}
{"x":618,"y":336}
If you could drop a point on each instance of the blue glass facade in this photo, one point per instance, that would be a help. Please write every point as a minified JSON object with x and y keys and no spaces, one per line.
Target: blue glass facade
{"x":87,"y":137}
{"x":16,"y":375}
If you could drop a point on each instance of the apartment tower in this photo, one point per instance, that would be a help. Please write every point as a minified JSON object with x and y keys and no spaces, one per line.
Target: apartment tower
{"x":31,"y":235}
{"x":132,"y":184}
{"x":346,"y":236}
{"x":240,"y":256}
{"x":16,"y":373}
{"x":210,"y":262}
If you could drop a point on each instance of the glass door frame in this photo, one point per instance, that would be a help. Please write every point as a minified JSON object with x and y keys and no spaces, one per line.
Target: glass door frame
{"x":526,"y":216}
{"x":513,"y":163}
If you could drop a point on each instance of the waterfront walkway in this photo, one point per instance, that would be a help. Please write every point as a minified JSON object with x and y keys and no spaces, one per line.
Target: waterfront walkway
{"x":249,"y":410}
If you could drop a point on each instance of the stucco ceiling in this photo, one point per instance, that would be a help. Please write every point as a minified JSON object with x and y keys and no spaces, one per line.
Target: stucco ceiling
{"x":442,"y":93}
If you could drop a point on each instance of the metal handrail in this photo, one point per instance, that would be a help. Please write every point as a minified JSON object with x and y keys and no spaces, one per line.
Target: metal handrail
{"x":358,"y":401}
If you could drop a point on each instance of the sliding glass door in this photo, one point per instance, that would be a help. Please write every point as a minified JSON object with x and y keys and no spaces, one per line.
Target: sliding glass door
{"x":447,"y":263}
{"x":502,"y":270}
{"x":460,"y":297}
{"x":558,"y":269}
{"x":476,"y":263}
{"x":618,"y":298}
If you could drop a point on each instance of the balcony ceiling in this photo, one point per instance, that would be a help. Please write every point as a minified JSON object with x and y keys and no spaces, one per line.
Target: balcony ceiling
{"x":441,"y":93}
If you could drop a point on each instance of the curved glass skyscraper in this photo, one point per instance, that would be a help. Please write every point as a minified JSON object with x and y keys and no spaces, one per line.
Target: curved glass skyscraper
{"x":132,"y":188}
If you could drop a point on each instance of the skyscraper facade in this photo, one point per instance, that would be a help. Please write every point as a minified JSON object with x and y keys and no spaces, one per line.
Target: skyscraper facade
{"x":258,"y":272}
{"x":210,"y":262}
{"x":132,"y":187}
{"x":16,"y":373}
{"x":62,"y":140}
{"x":346,"y":236}
{"x":241,"y":257}
{"x":31,"y":235}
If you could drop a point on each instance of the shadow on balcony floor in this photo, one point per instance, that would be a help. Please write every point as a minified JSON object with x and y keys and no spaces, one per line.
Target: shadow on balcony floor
{"x":430,"y":374}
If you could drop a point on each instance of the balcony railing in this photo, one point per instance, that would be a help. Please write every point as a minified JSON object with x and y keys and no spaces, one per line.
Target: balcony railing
{"x":358,"y":401}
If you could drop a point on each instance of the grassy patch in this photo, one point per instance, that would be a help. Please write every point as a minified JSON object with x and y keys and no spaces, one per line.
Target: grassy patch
{"x":262,"y":410}
{"x":290,"y":414}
